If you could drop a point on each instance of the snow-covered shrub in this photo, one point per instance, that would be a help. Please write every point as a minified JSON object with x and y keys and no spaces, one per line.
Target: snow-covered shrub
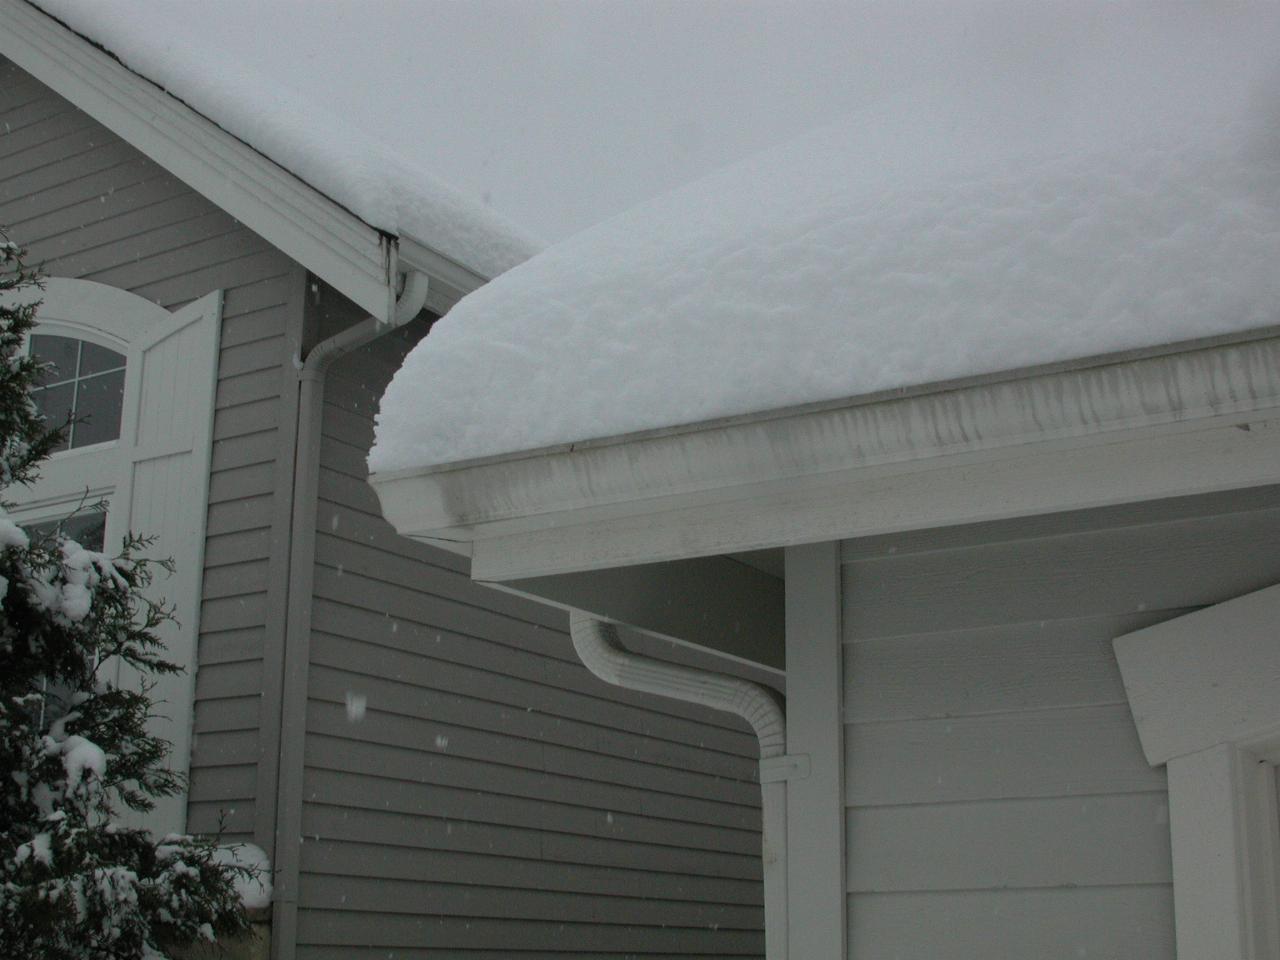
{"x":74,"y":748}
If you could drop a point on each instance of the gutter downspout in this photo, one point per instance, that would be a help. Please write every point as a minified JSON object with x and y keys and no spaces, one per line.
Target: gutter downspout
{"x":302,"y":554}
{"x":598,"y":647}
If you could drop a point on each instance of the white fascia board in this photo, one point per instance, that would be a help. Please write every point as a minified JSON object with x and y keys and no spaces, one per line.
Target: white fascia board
{"x":1109,"y":430}
{"x":317,"y":232}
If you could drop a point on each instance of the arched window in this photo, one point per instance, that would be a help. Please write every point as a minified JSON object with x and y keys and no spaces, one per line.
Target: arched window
{"x":83,"y":382}
{"x":139,"y":383}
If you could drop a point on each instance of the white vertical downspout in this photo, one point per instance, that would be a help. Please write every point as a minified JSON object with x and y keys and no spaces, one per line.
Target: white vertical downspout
{"x":600,"y":650}
{"x":297,"y":648}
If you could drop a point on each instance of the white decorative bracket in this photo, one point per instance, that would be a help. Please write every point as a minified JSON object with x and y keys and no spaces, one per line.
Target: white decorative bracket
{"x":786,"y":767}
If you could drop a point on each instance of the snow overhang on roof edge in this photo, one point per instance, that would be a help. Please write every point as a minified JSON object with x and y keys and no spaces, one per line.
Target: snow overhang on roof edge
{"x":357,"y":259}
{"x":520,"y":511}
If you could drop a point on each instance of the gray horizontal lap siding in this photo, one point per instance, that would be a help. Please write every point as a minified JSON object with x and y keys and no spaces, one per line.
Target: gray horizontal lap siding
{"x":998,"y":803}
{"x":495,"y":799}
{"x":88,"y":206}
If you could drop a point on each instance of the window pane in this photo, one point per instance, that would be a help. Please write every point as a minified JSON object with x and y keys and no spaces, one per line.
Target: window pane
{"x":98,"y":401}
{"x":60,"y":351}
{"x":54,"y":403}
{"x":87,"y":528}
{"x":96,"y":359}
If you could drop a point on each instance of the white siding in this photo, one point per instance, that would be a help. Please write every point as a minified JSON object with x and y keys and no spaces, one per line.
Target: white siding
{"x":998,"y":804}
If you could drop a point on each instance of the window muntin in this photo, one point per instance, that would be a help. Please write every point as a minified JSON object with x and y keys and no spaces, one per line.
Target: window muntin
{"x":84,"y":381}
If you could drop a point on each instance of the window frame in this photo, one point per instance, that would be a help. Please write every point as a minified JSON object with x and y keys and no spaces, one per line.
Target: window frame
{"x":64,"y":328}
{"x":111,"y":318}
{"x":1205,"y":694}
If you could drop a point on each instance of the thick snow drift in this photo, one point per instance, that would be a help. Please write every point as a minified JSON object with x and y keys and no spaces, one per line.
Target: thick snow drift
{"x":940,"y":235}
{"x":379,"y":186}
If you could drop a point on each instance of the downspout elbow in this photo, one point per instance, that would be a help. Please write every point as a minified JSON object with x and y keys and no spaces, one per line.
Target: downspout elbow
{"x":408,"y":305}
{"x":597,"y":645}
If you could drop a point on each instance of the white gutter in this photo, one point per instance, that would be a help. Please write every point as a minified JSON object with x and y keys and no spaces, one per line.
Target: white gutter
{"x":598,"y":647}
{"x":1069,"y":436}
{"x":1178,"y":387}
{"x":301,"y":579}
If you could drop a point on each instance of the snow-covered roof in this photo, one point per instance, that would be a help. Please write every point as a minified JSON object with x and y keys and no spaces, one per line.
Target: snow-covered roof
{"x":934,"y":237}
{"x":385,"y":190}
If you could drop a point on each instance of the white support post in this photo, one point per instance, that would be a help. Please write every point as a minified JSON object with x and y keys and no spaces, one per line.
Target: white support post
{"x":815,"y":803}
{"x":1222,"y":810}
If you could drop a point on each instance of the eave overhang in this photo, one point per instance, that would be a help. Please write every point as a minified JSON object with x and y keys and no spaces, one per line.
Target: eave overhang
{"x":1147,"y":424}
{"x":357,"y":259}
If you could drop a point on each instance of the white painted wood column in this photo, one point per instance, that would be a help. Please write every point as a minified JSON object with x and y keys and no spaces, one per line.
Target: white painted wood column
{"x":815,"y":728}
{"x":1222,"y":815}
{"x":1205,"y":694}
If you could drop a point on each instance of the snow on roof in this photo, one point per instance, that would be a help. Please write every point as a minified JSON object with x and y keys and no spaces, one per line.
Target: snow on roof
{"x":382,"y":188}
{"x":934,"y":237}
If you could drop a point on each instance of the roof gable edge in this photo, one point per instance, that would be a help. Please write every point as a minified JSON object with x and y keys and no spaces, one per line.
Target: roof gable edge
{"x":308,"y":226}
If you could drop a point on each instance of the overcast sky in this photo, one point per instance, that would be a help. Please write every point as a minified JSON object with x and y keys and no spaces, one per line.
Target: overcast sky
{"x":560,"y":113}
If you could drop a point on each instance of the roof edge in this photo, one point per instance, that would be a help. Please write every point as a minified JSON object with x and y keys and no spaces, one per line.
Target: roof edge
{"x":795,"y":452}
{"x":316,"y":231}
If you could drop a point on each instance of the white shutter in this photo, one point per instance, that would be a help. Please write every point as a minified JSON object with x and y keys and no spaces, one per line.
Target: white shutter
{"x":162,"y":492}
{"x":155,"y":477}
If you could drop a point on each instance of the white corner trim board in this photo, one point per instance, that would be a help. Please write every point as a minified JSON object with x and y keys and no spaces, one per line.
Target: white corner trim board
{"x":1205,"y":694}
{"x":818,"y":906}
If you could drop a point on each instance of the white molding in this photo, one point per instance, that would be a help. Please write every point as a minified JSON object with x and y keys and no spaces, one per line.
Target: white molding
{"x":1223,"y":823}
{"x":1205,"y":694}
{"x":955,"y":490}
{"x":114,"y":313}
{"x":1207,"y":678}
{"x":864,"y":465}
{"x":317,"y":232}
{"x":816,"y":907}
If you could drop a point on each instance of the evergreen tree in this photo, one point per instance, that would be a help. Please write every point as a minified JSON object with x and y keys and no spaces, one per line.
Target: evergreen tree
{"x":74,"y":747}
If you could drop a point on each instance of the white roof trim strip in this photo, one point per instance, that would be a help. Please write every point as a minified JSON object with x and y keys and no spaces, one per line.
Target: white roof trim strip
{"x":807,"y":453}
{"x":312,"y":229}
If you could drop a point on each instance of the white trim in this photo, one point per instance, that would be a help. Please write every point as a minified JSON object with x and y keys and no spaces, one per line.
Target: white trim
{"x":1205,"y":695}
{"x":318,"y":233}
{"x":1223,"y":826}
{"x":1041,"y":479}
{"x":791,"y":476}
{"x":80,"y":331}
{"x":117,"y":315}
{"x":1206,"y":678}
{"x":816,"y":908}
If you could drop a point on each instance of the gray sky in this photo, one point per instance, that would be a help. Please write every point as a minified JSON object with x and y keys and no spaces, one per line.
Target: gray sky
{"x":560,"y":113}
